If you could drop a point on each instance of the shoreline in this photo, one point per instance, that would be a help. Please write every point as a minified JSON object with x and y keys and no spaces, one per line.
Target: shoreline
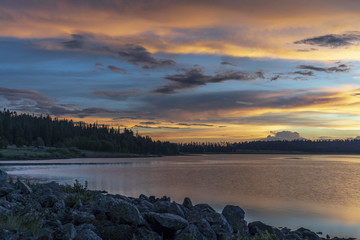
{"x":53,"y":211}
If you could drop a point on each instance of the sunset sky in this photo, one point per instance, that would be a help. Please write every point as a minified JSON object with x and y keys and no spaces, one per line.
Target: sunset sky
{"x":187,"y":70}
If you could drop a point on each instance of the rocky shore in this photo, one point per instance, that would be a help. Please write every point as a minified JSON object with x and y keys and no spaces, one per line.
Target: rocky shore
{"x":53,"y":211}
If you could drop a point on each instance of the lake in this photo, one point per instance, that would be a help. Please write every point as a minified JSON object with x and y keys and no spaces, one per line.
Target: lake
{"x":319,"y":192}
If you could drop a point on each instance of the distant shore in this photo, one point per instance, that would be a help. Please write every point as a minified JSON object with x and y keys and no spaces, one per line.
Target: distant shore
{"x":53,"y":211}
{"x":46,"y":153}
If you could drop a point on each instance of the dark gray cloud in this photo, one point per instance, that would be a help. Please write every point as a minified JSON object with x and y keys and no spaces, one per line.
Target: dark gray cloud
{"x":339,"y":68}
{"x":307,"y":50}
{"x":276,"y":77}
{"x":116,"y":69}
{"x":333,"y":40}
{"x":159,"y":127}
{"x":148,"y":123}
{"x":196,"y":77}
{"x":305,"y":73}
{"x":132,"y":53}
{"x":227,"y":63}
{"x":138,"y":55}
{"x":118,"y":96}
{"x":76,"y":43}
{"x":195,"y":124}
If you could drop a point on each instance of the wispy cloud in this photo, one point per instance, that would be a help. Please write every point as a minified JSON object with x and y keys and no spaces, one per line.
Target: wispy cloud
{"x":333,"y":40}
{"x":339,"y":68}
{"x":192,"y":78}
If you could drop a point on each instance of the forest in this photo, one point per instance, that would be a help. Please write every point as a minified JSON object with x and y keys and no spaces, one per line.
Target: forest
{"x":44,"y":131}
{"x":294,"y":146}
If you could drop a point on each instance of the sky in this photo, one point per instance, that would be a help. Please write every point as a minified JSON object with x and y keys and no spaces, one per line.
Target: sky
{"x":184,"y":71}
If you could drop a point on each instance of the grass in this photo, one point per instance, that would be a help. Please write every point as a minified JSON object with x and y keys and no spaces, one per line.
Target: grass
{"x":24,"y":221}
{"x":76,"y":192}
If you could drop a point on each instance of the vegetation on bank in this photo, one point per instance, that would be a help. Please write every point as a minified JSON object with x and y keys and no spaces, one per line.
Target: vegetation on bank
{"x":295,"y":146}
{"x":44,"y":131}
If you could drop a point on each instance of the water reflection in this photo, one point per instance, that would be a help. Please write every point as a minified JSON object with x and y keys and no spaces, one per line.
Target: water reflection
{"x":321,"y":192}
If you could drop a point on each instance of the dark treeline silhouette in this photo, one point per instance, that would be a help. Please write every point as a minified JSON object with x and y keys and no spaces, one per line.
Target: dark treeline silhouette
{"x":31,"y":130}
{"x":307,"y":146}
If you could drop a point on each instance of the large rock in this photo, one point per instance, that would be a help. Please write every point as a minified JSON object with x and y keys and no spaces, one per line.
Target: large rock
{"x":118,"y":210}
{"x":3,"y":177}
{"x":5,"y":191}
{"x":307,"y":234}
{"x":24,"y":188}
{"x":117,"y":232}
{"x":190,"y":232}
{"x":235,"y":217}
{"x":205,"y":228}
{"x":261,"y":228}
{"x":143,"y":233}
{"x":166,"y":224}
{"x":48,"y":201}
{"x":87,"y":234}
{"x":187,"y":203}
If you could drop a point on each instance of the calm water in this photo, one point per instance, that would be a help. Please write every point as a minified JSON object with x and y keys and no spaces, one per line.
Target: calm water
{"x":320,"y":192}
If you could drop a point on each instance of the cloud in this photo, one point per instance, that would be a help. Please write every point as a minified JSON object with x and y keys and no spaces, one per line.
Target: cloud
{"x":227,"y":63}
{"x":148,"y":123}
{"x":305,"y":73}
{"x":195,"y":124}
{"x":339,"y":68}
{"x":77,"y":42}
{"x":283,"y":136}
{"x":116,"y":69}
{"x":159,"y":127}
{"x":333,"y":40}
{"x":138,"y":55}
{"x":118,"y":96}
{"x":196,"y":77}
{"x":132,"y":53}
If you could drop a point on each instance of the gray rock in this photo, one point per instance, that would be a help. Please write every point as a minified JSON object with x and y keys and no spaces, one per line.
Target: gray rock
{"x":258,"y":227}
{"x":78,"y":204}
{"x":59,"y":206}
{"x":203,"y":207}
{"x":119,"y":211}
{"x":143,"y":233}
{"x":162,"y":206}
{"x":176,"y":209}
{"x":87,"y":234}
{"x":3,"y":177}
{"x":67,"y":231}
{"x":187,"y":203}
{"x":5,"y":191}
{"x":167,"y":220}
{"x":145,"y":206}
{"x":4,"y":213}
{"x":15,"y":197}
{"x":23,"y":187}
{"x":166,"y":224}
{"x":116,"y":232}
{"x":235,"y":217}
{"x":307,"y":234}
{"x":190,"y":232}
{"x":48,"y":201}
{"x":205,"y":228}
{"x":82,"y":217}
{"x":218,"y":223}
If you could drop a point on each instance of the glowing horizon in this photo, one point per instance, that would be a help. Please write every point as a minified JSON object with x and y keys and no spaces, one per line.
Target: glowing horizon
{"x":184,"y":71}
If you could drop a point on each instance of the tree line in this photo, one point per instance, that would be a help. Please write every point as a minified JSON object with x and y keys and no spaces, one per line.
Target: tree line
{"x":305,"y":146}
{"x":31,"y":130}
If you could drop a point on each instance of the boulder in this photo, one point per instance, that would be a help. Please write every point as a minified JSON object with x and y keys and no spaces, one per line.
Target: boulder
{"x":3,"y":178}
{"x":258,"y":227}
{"x":205,"y":228}
{"x":203,"y":207}
{"x":23,"y":187}
{"x":116,"y":232}
{"x":48,"y":201}
{"x":190,"y":232}
{"x":67,"y":231}
{"x":87,"y":234}
{"x":118,"y":210}
{"x":176,"y":209}
{"x":166,"y":224}
{"x":235,"y":217}
{"x":307,"y":234}
{"x":5,"y":191}
{"x":143,"y":233}
{"x":187,"y":203}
